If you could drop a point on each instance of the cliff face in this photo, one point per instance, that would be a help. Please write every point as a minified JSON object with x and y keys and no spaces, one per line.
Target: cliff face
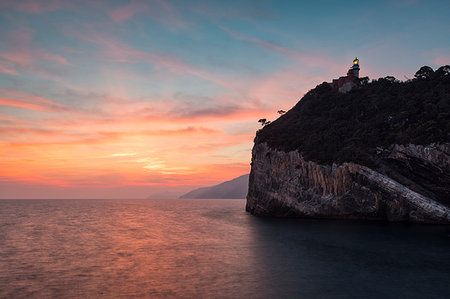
{"x":410,"y":183}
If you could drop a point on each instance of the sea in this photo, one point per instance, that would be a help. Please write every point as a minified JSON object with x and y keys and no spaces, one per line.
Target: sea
{"x":210,"y":248}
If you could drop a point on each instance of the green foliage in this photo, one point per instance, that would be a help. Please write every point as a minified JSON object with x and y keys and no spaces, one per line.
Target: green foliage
{"x":327,"y":126}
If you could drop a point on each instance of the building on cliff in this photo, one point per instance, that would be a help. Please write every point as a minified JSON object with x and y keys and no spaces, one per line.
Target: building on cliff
{"x":346,"y":83}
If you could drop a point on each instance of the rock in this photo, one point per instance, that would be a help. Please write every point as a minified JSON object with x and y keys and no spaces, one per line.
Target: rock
{"x":411,"y":183}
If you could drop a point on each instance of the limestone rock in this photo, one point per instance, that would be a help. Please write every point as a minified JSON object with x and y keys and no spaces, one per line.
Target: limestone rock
{"x":411,"y":183}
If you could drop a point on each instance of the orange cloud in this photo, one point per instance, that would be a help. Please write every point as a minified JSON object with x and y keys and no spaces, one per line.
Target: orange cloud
{"x":22,"y":104}
{"x":28,"y":101}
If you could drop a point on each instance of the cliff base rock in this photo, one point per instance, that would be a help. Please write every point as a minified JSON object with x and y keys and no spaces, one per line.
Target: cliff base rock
{"x":411,"y":183}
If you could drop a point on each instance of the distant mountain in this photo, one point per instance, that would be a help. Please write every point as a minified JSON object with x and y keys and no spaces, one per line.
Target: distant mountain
{"x":235,"y":188}
{"x":164,"y":195}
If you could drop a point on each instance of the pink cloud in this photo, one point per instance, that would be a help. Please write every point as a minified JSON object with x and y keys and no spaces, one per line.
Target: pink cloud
{"x":23,"y":104}
{"x":115,"y":50}
{"x":23,"y":54}
{"x":34,"y":6}
{"x":442,"y":60}
{"x":52,"y":57}
{"x":20,"y":94}
{"x":125,"y":12}
{"x":28,"y":6}
{"x":7,"y":68}
{"x":121,"y":52}
{"x":159,"y":10}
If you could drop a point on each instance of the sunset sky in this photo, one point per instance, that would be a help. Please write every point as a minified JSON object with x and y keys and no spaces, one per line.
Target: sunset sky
{"x":124,"y":99}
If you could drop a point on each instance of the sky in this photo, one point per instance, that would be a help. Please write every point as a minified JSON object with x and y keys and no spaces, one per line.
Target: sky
{"x":125,"y":99}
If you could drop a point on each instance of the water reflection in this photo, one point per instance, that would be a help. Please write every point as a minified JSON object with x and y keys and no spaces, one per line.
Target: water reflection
{"x":209,"y":248}
{"x":318,"y":258}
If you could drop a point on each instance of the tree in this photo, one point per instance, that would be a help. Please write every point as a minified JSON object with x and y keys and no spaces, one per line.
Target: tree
{"x":264,"y":122}
{"x":364,"y":80}
{"x":424,"y":72}
{"x":442,"y":71}
{"x":390,"y":78}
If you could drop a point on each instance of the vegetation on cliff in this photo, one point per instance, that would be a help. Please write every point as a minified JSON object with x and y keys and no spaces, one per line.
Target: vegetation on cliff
{"x":327,"y":126}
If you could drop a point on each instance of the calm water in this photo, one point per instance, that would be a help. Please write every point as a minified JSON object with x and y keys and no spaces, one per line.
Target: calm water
{"x":210,"y":249}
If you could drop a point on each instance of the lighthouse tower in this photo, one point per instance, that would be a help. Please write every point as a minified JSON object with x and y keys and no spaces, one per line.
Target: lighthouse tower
{"x":355,"y":68}
{"x":346,"y":83}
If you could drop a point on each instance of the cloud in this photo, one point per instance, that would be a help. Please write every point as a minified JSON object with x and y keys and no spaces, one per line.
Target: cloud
{"x":34,"y":6}
{"x":125,"y":12}
{"x":23,"y":104}
{"x":13,"y":120}
{"x":15,"y":131}
{"x":180,"y":108}
{"x":7,"y":68}
{"x":191,"y":107}
{"x":159,"y":10}
{"x":21,"y":53}
{"x":117,"y":51}
{"x":19,"y":135}
{"x":123,"y":154}
{"x":9,"y":97}
{"x":115,"y":124}
{"x":196,"y":131}
{"x":247,"y":10}
{"x":307,"y":59}
{"x":184,"y":131}
{"x":193,"y":112}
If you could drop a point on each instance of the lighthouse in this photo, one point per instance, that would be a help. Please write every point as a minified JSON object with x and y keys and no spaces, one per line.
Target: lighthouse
{"x":355,"y":68}
{"x":346,"y":83}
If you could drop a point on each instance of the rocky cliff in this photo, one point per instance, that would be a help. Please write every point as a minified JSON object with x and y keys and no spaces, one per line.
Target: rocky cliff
{"x":353,"y":177}
{"x":285,"y":184}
